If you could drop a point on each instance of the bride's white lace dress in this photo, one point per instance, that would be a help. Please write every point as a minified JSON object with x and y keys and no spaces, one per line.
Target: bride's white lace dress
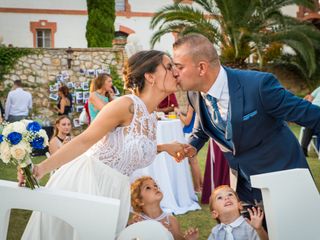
{"x":103,"y":170}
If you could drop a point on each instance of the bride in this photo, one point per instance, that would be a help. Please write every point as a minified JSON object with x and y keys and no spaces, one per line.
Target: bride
{"x":120,"y":140}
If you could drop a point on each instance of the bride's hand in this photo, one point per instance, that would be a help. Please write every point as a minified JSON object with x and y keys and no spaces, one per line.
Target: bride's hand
{"x":37,"y":173}
{"x":175,"y":149}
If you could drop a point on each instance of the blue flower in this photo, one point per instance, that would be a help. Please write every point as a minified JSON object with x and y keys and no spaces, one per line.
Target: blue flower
{"x":37,"y":143}
{"x":1,"y":138}
{"x":14,"y":137}
{"x":34,"y":127}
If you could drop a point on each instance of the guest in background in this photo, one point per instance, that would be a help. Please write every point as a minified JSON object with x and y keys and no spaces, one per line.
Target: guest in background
{"x":168,"y":104}
{"x":18,"y":104}
{"x":64,"y":104}
{"x":100,"y":96}
{"x":216,"y":171}
{"x":1,"y":111}
{"x":188,"y":121}
{"x":145,"y":202}
{"x":114,"y":93}
{"x":61,"y":135}
{"x":314,"y":97}
{"x":225,"y":207}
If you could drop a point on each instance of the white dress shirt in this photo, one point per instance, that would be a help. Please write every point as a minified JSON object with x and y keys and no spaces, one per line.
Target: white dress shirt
{"x":220,"y":90}
{"x":18,"y":103}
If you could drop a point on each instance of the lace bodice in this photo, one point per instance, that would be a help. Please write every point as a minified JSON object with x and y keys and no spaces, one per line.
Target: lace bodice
{"x":131,"y":147}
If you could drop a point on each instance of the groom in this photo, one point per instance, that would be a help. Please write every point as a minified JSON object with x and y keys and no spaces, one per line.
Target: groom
{"x":245,"y":112}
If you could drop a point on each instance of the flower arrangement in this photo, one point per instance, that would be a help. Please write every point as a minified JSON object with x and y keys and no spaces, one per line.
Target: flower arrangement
{"x":17,"y":140}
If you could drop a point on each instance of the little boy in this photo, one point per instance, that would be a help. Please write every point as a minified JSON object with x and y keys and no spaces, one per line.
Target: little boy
{"x":225,"y":207}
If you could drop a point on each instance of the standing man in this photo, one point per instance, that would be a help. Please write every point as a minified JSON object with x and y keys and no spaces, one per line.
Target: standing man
{"x":245,"y":112}
{"x":314,"y":97}
{"x":18,"y":103}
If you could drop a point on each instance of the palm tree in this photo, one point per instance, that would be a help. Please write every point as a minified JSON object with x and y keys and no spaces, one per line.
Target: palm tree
{"x":296,"y":64}
{"x":241,"y":28}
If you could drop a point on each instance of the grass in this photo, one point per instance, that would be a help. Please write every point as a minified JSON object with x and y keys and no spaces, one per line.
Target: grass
{"x":200,"y":219}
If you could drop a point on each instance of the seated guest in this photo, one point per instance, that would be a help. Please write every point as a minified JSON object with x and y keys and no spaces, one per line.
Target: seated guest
{"x":100,"y":95}
{"x":64,"y":104}
{"x":145,"y":201}
{"x":61,"y":135}
{"x":168,"y":104}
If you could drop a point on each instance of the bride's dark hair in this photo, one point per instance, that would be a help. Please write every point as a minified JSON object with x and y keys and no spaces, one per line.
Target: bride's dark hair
{"x":139,"y":64}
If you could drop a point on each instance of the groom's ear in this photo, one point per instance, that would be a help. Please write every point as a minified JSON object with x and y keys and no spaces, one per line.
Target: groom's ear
{"x":203,"y":67}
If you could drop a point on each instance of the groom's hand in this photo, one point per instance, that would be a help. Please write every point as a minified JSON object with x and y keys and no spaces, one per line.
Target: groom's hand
{"x":189,"y":151}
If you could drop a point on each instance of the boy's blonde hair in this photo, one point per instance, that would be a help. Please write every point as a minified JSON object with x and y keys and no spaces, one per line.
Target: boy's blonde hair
{"x":136,"y":199}
{"x":214,"y":193}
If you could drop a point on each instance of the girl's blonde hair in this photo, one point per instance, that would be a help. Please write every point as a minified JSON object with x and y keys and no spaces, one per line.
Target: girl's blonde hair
{"x":136,"y":199}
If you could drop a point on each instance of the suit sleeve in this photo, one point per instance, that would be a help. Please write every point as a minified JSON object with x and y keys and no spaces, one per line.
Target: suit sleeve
{"x":198,"y":137}
{"x":282,"y":104}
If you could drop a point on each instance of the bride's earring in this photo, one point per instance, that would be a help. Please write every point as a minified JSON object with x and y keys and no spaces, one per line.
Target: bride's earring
{"x":153,"y":83}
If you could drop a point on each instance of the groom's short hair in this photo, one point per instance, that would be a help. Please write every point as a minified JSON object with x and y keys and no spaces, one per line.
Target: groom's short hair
{"x":200,"y":47}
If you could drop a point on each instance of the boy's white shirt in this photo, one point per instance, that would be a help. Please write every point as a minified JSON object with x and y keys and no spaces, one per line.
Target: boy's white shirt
{"x":234,"y":224}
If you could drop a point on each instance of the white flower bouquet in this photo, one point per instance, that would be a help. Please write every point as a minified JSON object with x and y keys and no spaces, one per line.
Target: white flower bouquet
{"x":17,"y":140}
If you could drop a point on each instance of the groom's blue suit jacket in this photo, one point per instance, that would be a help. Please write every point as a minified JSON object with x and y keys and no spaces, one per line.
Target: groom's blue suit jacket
{"x":260,"y":107}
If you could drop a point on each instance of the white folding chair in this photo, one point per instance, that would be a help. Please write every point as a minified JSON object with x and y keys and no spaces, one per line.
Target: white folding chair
{"x":291,"y":203}
{"x":145,"y":230}
{"x":92,"y":217}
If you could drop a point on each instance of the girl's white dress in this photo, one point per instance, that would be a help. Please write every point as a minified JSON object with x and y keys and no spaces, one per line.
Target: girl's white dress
{"x":103,"y":170}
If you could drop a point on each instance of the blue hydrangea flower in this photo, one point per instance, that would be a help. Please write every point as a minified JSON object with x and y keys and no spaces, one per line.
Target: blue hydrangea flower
{"x":1,"y":138}
{"x":37,"y":143}
{"x":34,"y":127}
{"x":14,"y":137}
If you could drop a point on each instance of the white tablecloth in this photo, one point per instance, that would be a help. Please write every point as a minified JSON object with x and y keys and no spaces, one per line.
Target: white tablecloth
{"x":174,"y":178}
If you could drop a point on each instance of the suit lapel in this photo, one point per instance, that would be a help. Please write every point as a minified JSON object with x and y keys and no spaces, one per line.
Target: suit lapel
{"x":236,"y":103}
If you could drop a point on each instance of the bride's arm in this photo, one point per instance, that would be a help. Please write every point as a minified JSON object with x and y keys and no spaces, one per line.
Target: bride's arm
{"x":116,"y":113}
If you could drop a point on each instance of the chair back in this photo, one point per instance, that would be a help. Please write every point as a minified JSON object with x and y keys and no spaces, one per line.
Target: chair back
{"x":291,"y":204}
{"x":145,"y":230}
{"x":92,"y":217}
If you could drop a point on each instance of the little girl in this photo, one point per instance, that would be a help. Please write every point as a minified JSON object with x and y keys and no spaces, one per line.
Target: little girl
{"x":145,"y":201}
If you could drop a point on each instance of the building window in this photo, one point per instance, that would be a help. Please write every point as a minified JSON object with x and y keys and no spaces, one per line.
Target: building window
{"x":120,"y":38}
{"x":120,"y":5}
{"x":43,"y":38}
{"x":43,"y":33}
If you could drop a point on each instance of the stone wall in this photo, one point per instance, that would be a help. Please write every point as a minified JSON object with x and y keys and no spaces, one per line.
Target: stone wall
{"x":38,"y":72}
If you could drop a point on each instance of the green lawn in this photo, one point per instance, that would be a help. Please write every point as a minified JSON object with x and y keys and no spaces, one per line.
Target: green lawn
{"x":200,"y":219}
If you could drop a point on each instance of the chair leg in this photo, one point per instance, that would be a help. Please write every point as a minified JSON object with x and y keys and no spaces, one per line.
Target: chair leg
{"x":4,"y":222}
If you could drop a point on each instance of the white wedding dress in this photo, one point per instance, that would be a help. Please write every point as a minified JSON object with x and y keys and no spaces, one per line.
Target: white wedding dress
{"x":103,"y":170}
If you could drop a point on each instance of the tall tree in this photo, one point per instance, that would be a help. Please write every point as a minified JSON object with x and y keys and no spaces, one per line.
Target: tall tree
{"x":241,"y":28}
{"x":100,"y":24}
